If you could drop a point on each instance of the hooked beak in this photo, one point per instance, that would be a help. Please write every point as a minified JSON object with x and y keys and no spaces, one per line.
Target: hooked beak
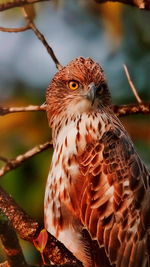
{"x":91,"y":95}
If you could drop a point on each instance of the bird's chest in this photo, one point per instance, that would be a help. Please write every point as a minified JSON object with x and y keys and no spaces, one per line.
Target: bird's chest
{"x":64,"y":174}
{"x":70,"y":143}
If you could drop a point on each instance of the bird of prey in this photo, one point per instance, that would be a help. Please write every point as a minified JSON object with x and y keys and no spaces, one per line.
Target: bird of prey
{"x":97,"y":198}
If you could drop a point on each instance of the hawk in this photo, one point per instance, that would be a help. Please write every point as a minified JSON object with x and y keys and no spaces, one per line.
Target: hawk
{"x":97,"y":198}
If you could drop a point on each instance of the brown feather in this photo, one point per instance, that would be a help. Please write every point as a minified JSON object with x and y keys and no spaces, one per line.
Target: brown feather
{"x":98,"y":189}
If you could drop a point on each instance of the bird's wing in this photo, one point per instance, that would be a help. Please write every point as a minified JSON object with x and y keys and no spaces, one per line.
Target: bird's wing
{"x":115,"y":199}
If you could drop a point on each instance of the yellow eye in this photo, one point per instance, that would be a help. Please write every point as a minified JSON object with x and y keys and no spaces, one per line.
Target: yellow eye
{"x":73,"y":85}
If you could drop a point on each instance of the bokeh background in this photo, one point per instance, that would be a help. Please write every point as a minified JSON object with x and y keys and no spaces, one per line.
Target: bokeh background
{"x":112,"y":34}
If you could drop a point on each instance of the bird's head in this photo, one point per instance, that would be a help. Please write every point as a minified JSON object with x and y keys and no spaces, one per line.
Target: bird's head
{"x":79,"y":87}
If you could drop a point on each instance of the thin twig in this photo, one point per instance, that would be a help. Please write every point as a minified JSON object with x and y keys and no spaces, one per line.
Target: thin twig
{"x":15,"y":163}
{"x":132,"y":85}
{"x":18,"y":3}
{"x":41,"y":37}
{"x":11,"y":245}
{"x":15,"y":30}
{"x":4,"y":111}
{"x":29,"y":229}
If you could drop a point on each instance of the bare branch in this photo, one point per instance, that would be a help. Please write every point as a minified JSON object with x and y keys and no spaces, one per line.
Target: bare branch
{"x":141,"y":4}
{"x":11,"y":245}
{"x":21,"y":29}
{"x":124,"y":110}
{"x":14,"y":163}
{"x":4,"y":111}
{"x":121,"y":110}
{"x":132,"y":85}
{"x":29,"y":229}
{"x":41,"y":37}
{"x":18,"y":3}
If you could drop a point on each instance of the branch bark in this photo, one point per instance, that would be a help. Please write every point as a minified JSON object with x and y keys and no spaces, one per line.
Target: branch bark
{"x":29,"y":229}
{"x":131,"y":109}
{"x":11,"y":245}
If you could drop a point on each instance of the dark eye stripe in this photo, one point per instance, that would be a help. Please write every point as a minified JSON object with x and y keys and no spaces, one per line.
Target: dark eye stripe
{"x":101,"y":88}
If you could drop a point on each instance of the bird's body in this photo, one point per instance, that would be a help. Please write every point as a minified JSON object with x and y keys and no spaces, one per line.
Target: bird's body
{"x":97,"y":193}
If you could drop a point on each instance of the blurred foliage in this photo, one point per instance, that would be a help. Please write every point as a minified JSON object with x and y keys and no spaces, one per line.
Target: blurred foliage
{"x":112,"y":34}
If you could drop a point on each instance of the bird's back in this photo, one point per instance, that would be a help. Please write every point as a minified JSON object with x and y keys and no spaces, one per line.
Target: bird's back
{"x":115,"y":202}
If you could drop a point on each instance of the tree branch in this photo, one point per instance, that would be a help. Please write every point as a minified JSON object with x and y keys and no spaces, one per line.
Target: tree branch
{"x":11,"y":245}
{"x":134,"y":91}
{"x":18,"y":3}
{"x":15,"y":30}
{"x":14,"y":163}
{"x":41,"y":37}
{"x":4,"y":111}
{"x":141,"y":4}
{"x":29,"y":229}
{"x":120,"y":110}
{"x":22,"y":223}
{"x":131,"y":109}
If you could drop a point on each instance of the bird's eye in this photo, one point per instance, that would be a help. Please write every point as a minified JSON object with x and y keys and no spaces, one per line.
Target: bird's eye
{"x":73,"y":85}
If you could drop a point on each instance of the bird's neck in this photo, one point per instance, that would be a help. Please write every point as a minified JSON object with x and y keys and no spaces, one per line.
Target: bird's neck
{"x":79,"y":128}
